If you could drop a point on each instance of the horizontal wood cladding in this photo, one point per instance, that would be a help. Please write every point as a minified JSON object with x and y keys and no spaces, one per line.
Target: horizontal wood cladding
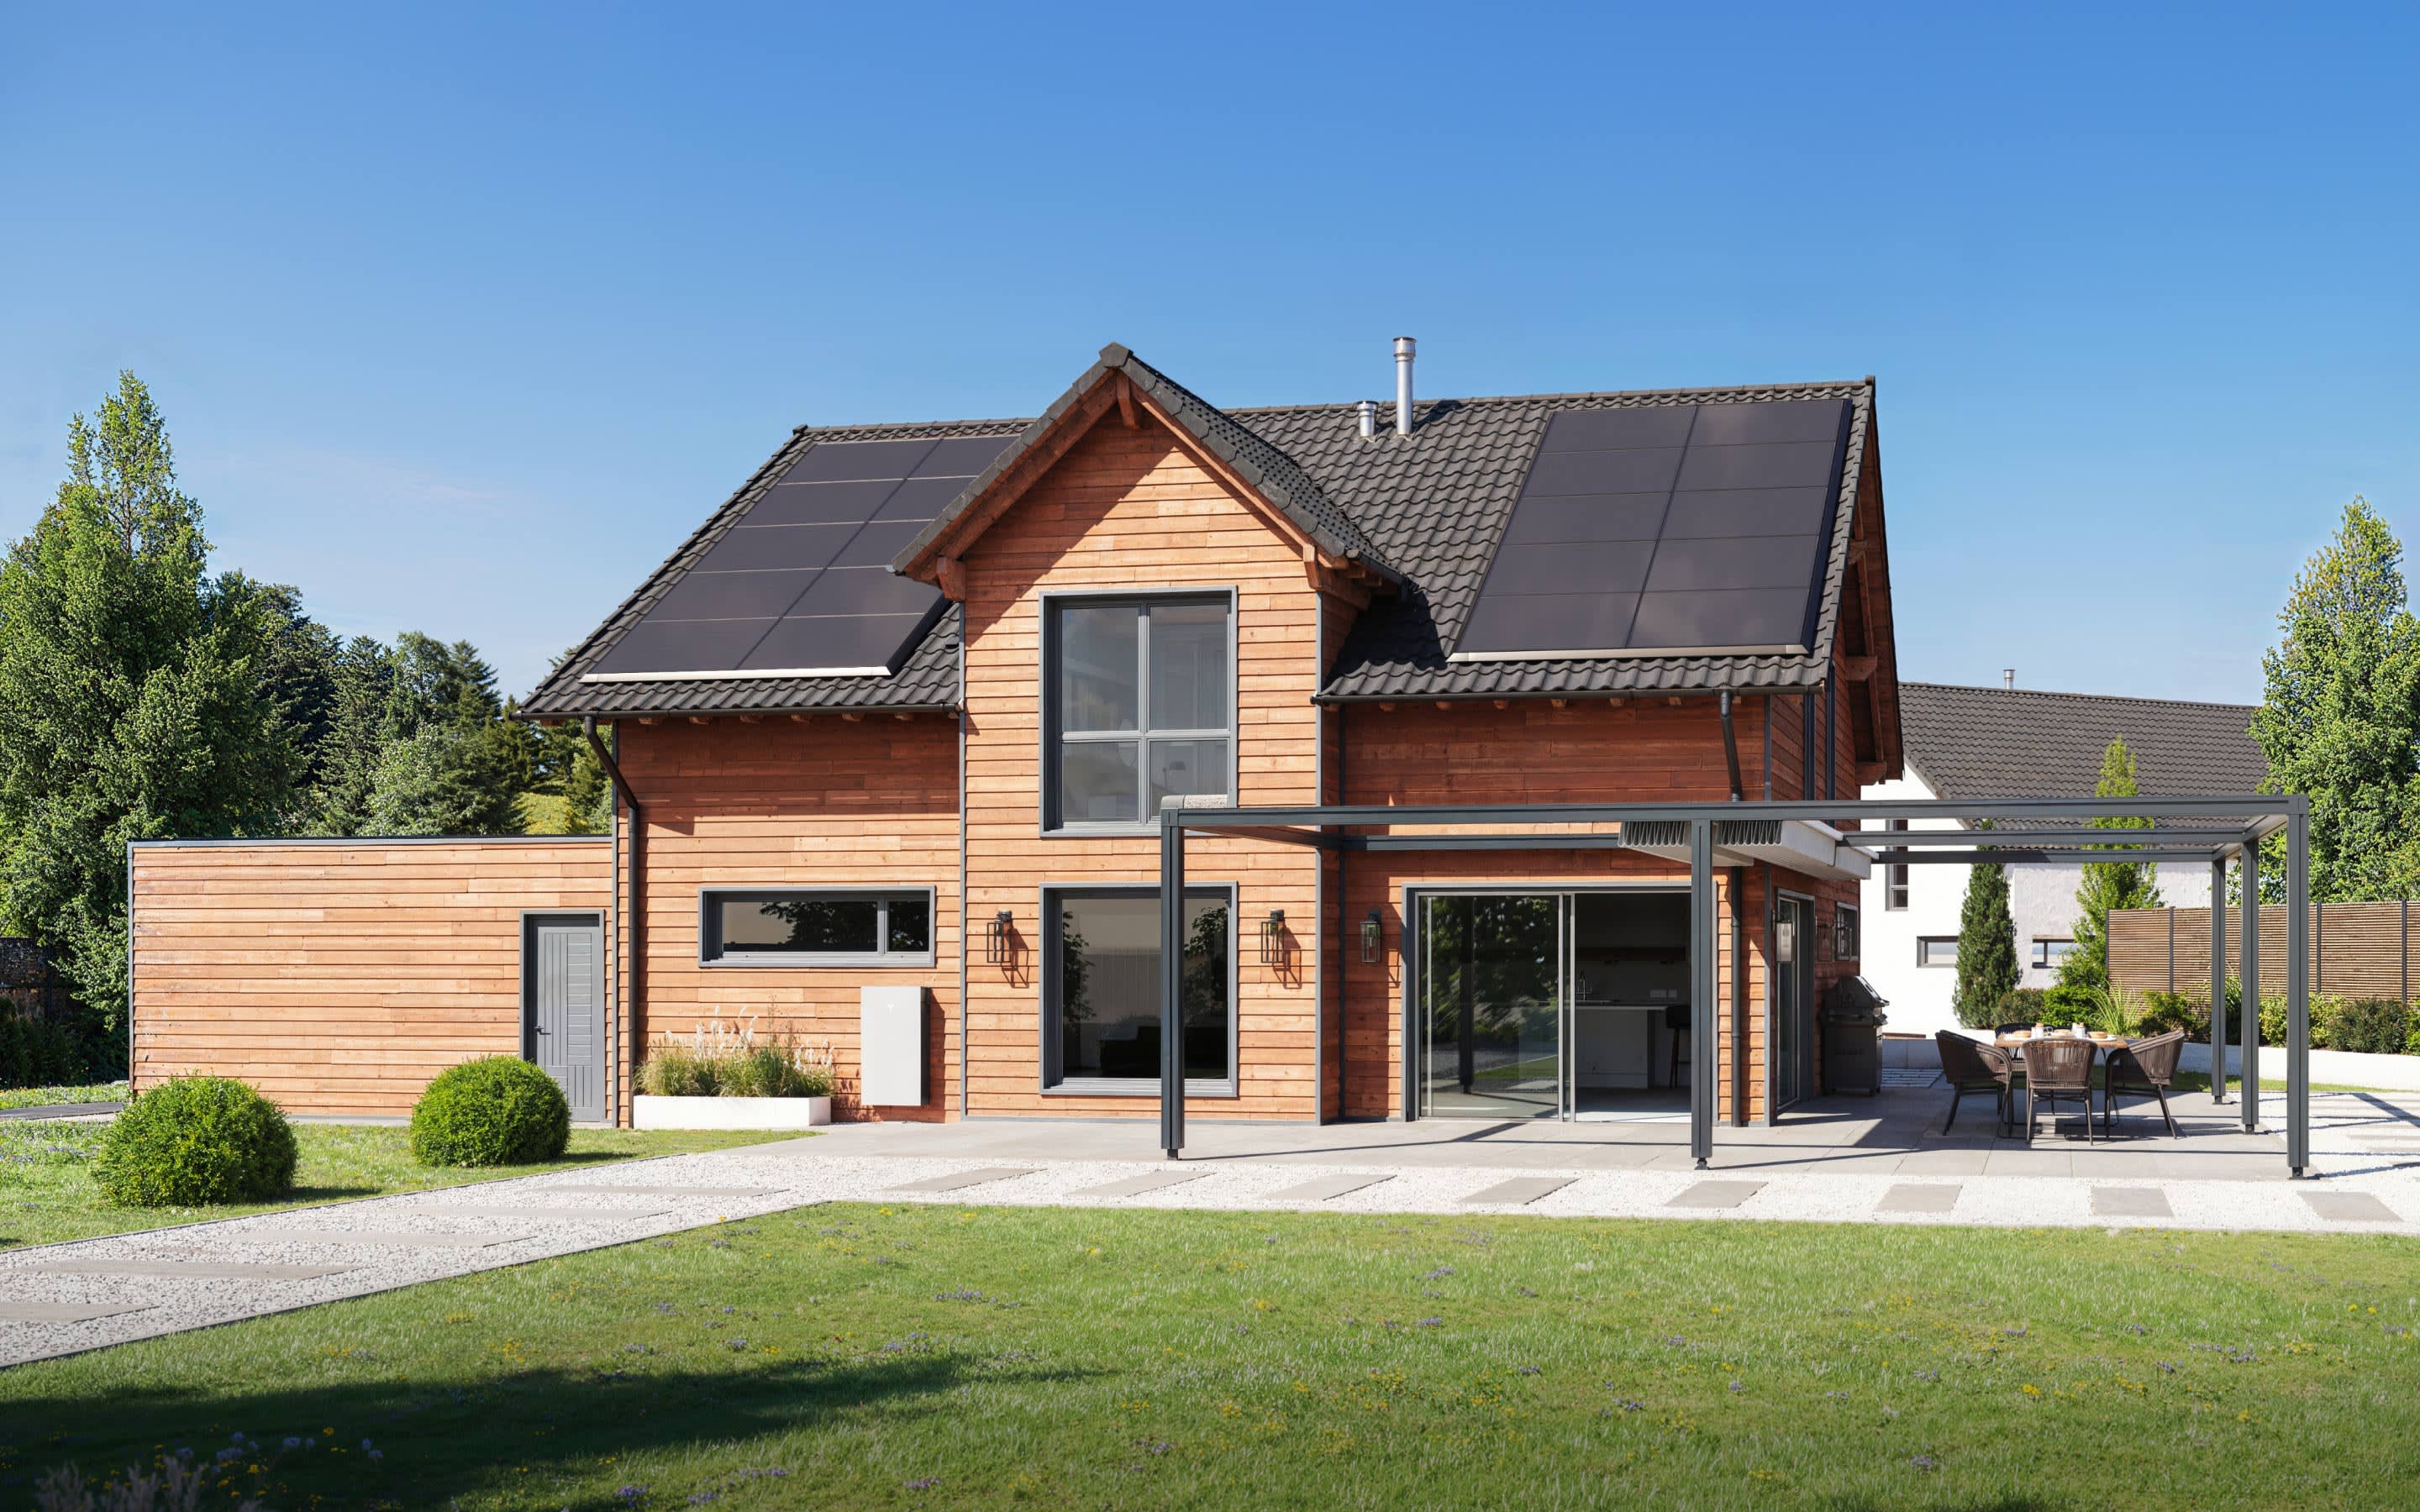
{"x":824,"y":802}
{"x":341,"y":978}
{"x":1133,"y":509}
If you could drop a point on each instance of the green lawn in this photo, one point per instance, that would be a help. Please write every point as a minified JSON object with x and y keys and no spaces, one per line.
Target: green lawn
{"x":43,"y":1097}
{"x":947,"y":1357}
{"x":46,"y":1191}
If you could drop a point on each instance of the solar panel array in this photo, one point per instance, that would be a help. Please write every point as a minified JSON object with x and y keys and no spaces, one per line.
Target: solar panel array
{"x":1665,"y":528}
{"x":803,"y":586}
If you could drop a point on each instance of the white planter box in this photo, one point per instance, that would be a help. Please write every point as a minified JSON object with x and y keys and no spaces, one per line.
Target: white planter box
{"x":729,"y":1112}
{"x":2337,"y":1068}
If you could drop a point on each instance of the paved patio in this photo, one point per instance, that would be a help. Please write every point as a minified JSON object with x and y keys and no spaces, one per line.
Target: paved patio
{"x":1880,"y":1161}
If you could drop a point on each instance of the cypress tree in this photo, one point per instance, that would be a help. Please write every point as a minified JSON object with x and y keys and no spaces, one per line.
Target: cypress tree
{"x":2108,"y":885}
{"x":1987,"y":946}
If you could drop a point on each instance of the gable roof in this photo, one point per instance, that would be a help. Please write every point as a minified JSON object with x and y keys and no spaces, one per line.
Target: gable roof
{"x":1425,"y":513}
{"x":1995,"y":742}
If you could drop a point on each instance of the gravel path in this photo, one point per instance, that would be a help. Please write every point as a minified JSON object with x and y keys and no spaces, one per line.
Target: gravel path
{"x":62,"y":1299}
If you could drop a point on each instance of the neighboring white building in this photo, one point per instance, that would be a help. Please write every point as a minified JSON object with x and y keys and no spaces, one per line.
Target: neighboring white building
{"x":2009,"y":743}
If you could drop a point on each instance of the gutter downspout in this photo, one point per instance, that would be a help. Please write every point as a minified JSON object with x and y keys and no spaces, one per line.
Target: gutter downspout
{"x":634,"y":928}
{"x":1738,"y":887}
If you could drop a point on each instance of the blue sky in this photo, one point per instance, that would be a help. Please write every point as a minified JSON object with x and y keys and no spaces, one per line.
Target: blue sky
{"x":463,"y":318}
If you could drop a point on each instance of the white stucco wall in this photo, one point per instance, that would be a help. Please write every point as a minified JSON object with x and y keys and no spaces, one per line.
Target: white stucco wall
{"x":2041,"y":900}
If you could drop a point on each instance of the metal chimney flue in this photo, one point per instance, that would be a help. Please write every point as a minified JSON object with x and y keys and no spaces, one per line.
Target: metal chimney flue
{"x":1369,"y":409}
{"x":1404,"y":347}
{"x":2009,"y":682}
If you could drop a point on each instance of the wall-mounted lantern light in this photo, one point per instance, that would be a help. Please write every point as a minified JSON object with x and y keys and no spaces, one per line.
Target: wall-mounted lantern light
{"x":1785,"y":940}
{"x":1273,"y":938}
{"x":996,"y":945}
{"x":1370,"y":939}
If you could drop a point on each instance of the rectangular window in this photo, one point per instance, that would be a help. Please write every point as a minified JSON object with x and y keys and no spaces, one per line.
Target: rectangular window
{"x":1895,"y":877}
{"x":1138,"y":705}
{"x":2048,"y":953}
{"x":814,"y":927}
{"x":1936,"y":950}
{"x":1100,"y":990}
{"x":1848,"y":940}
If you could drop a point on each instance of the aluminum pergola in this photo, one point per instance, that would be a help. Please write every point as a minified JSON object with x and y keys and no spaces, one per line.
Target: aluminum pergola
{"x":2210,"y":830}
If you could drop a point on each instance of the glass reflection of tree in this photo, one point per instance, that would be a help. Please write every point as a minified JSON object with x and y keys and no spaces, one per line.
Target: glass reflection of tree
{"x":824,"y":923}
{"x":1492,"y":971}
{"x":1074,"y":971}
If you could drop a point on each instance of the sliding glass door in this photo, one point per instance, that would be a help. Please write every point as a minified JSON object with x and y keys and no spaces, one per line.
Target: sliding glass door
{"x":1494,"y":1005}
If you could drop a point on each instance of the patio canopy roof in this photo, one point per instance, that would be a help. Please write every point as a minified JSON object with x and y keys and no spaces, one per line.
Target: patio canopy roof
{"x":2214,"y":831}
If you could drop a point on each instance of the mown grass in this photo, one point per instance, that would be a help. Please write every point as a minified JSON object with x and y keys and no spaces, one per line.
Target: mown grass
{"x":947,"y":1357}
{"x":45,"y":1097}
{"x":47,"y":1193}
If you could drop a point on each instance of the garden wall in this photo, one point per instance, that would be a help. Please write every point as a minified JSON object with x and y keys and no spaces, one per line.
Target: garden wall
{"x":338,"y":976}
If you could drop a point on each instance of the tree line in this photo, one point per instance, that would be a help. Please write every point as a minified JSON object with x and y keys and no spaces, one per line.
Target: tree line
{"x":144,"y":697}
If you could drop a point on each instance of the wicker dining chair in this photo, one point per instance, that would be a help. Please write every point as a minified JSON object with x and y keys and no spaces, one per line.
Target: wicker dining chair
{"x":1975,"y":1067}
{"x":2058,"y":1069}
{"x":2147,"y":1068}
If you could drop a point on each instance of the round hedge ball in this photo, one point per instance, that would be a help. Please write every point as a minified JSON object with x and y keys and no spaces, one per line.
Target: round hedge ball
{"x":499,"y":1111}
{"x":196,"y":1140}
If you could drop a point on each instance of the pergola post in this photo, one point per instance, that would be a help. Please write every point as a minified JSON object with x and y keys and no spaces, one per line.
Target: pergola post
{"x":2218,"y":980}
{"x":2248,"y":1027}
{"x":1171,"y":985}
{"x":2298,"y":984}
{"x":1701,"y":991}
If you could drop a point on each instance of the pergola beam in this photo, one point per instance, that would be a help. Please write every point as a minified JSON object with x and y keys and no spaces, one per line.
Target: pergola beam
{"x":2204,"y":840}
{"x":2005,"y":854}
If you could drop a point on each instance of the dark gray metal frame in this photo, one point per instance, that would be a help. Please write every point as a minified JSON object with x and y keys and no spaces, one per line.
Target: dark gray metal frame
{"x":1047,"y":982}
{"x":1051,"y":823}
{"x":2213,"y":830}
{"x":713,"y":956}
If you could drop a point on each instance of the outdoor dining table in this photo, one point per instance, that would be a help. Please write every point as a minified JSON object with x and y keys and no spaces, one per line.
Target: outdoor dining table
{"x":2102,"y":1044}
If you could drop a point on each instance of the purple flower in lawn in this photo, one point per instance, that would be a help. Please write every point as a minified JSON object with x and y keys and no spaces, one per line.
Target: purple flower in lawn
{"x":1530,"y":1370}
{"x":2012,"y":1333}
{"x":631,"y":1493}
{"x":293,"y":1442}
{"x":1837,"y":1396}
{"x":664,"y":1310}
{"x":1432,"y":1322}
{"x":1629,"y":1404}
{"x":1927,"y":1374}
{"x":1678,"y":1342}
{"x":1738,"y":1386}
{"x":365,"y":1445}
{"x":924,"y":1485}
{"x":1921,"y":1461}
{"x":377,"y":1456}
{"x":1440,"y":1271}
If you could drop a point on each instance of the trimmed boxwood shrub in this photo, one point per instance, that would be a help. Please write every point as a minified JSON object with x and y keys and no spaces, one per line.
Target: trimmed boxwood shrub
{"x":499,"y":1111}
{"x":2372,"y":1026}
{"x":196,"y":1140}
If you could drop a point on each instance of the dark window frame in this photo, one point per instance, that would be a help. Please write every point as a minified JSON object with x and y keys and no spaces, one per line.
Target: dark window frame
{"x":1054,"y":739}
{"x":710,"y":951}
{"x":2044,"y":961}
{"x":1895,"y":877}
{"x":1923,"y":940}
{"x":1848,"y":932}
{"x":1052,"y":1083}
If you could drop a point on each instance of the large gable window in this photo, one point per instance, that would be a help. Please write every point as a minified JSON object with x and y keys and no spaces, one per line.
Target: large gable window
{"x":1138,"y":705}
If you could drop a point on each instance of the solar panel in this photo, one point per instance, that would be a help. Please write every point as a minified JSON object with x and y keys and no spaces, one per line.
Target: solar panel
{"x":1665,"y":528}
{"x":802,"y":584}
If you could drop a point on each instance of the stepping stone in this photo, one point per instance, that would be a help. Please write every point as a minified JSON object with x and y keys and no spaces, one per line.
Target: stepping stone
{"x":451,"y":1210}
{"x":1914,"y":1197}
{"x":1717,"y":1195}
{"x":1520,"y":1190}
{"x":1135,"y":1186}
{"x":2130,"y":1202}
{"x":190,"y":1270}
{"x":955,"y":1180}
{"x":1327,"y":1188}
{"x":364,"y":1237}
{"x":65,"y":1312}
{"x":676,"y":1191}
{"x":2350,"y":1207}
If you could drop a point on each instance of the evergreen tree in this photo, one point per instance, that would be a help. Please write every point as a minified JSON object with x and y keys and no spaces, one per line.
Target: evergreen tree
{"x":360,"y":724}
{"x":2108,"y":885}
{"x":131,"y":701}
{"x":1987,"y":946}
{"x":568,"y":769}
{"x":2340,"y":716}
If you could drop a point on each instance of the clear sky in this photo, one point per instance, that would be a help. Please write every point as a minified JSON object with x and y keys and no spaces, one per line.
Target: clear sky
{"x":462,"y":318}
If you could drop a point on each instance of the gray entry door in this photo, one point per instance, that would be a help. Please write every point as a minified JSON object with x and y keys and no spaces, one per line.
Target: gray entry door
{"x":563,"y":1005}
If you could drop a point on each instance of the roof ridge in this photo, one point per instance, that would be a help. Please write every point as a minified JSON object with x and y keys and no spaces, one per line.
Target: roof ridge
{"x":2098,"y":698}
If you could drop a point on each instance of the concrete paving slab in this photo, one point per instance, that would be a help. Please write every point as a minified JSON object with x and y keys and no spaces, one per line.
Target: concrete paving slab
{"x":954,"y":1181}
{"x":366,"y":1237}
{"x":2019,"y":1161}
{"x":1716,"y":1195}
{"x":2130,"y":1202}
{"x":1920,"y":1197}
{"x":1327,"y":1188}
{"x":1942,"y":1163}
{"x":660,"y":1188}
{"x":65,"y":1312}
{"x":537,"y":1214}
{"x":186,"y":1269}
{"x":1135,"y":1186}
{"x":2350,"y":1207}
{"x":1520,"y":1190}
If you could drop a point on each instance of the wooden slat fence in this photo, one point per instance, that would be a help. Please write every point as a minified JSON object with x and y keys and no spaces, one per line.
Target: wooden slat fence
{"x":2357,"y":949}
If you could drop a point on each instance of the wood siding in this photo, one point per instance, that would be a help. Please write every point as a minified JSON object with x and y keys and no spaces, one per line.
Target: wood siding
{"x":1134,"y":509}
{"x":825,"y":801}
{"x":339,"y":979}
